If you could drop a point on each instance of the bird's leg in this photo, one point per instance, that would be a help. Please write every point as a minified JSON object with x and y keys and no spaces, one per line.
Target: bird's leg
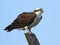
{"x":27,"y":29}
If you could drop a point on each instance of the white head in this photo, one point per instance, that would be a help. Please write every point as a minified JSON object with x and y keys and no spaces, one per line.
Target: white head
{"x":38,"y":11}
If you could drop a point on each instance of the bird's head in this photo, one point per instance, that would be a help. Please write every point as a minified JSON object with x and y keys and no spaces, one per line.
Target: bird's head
{"x":38,"y":11}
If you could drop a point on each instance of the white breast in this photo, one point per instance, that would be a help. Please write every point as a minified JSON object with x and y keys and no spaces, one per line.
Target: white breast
{"x":36,"y":21}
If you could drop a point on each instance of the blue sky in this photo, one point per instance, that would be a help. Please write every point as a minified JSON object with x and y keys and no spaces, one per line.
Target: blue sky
{"x":47,"y":31}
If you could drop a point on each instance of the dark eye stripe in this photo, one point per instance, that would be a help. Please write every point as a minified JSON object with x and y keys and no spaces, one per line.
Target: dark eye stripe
{"x":40,"y":9}
{"x":36,"y":10}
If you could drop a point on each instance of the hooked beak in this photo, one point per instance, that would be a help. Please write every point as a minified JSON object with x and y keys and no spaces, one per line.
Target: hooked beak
{"x":42,"y":11}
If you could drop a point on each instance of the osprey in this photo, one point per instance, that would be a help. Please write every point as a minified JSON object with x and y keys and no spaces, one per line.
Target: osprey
{"x":26,"y":20}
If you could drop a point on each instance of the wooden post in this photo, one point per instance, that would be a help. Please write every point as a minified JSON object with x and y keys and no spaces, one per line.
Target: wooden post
{"x":32,"y":39}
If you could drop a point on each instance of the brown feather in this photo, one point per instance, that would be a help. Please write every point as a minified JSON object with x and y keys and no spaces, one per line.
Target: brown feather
{"x":24,"y":19}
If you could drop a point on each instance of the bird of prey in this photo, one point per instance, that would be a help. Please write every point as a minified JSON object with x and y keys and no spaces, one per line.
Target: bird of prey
{"x":26,"y":20}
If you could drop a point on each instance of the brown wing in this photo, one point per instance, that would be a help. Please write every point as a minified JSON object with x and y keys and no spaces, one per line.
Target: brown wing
{"x":21,"y":21}
{"x":25,"y":19}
